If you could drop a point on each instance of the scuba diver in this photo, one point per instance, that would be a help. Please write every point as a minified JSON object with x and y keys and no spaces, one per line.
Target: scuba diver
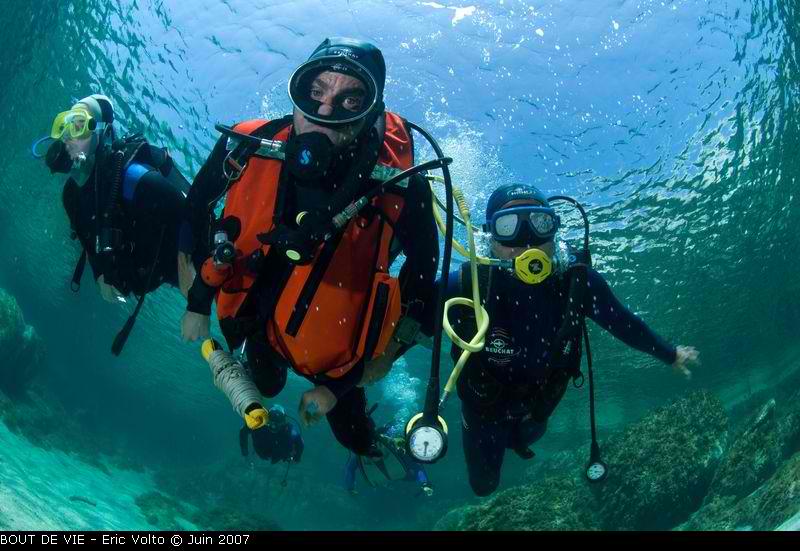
{"x":125,"y":203}
{"x":395,"y":464}
{"x":315,"y":212}
{"x":278,"y":440}
{"x":533,"y":345}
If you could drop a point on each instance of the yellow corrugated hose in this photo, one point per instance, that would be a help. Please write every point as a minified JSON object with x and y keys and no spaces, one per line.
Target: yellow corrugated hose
{"x":477,"y":342}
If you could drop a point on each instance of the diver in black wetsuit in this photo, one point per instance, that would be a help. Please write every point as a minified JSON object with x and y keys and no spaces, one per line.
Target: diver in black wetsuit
{"x":279,"y":440}
{"x":125,"y":202}
{"x":509,"y":389}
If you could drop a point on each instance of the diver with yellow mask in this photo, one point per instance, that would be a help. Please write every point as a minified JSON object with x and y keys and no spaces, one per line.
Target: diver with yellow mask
{"x":125,"y":200}
{"x":536,"y":292}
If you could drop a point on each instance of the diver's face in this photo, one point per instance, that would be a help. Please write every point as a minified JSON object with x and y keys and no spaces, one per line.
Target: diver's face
{"x":327,"y":88}
{"x":509,"y":253}
{"x":78,"y":148}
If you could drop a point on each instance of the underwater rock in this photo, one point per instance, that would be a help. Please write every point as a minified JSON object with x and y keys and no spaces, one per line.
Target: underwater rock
{"x":163,"y":512}
{"x":228,"y":494}
{"x":660,"y":468}
{"x":757,"y":452}
{"x":455,"y":519}
{"x":20,"y":347}
{"x":12,"y":325}
{"x":220,"y":519}
{"x":773,"y":505}
{"x":553,"y":504}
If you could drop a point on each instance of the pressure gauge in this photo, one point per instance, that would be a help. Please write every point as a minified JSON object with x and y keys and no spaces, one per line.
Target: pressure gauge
{"x":426,"y":441}
{"x":596,"y":471}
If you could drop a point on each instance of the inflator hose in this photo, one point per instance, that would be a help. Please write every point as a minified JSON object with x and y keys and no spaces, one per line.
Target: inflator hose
{"x":477,"y":342}
{"x":431,"y":411}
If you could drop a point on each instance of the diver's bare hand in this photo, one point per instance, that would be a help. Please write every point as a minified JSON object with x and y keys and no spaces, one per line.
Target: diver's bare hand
{"x":186,"y":273}
{"x":685,"y":355}
{"x":109,"y":292}
{"x":315,"y":404}
{"x":195,"y":326}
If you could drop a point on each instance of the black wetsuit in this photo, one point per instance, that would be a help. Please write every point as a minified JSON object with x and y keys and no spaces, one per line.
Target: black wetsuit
{"x":274,"y":445}
{"x":149,"y":206}
{"x":509,"y":390}
{"x":416,"y":236}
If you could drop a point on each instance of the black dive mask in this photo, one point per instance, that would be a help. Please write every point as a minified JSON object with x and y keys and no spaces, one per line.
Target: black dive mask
{"x":57,"y":158}
{"x":309,"y":156}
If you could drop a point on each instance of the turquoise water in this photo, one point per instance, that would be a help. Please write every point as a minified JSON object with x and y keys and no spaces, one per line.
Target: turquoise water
{"x":674,"y":122}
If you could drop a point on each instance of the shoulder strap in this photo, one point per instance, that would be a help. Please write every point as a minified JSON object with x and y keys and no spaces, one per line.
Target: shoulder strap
{"x":573,"y":325}
{"x":578,"y":278}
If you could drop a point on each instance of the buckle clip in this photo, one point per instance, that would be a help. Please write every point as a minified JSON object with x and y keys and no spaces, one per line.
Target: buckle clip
{"x":239,"y":168}
{"x":407,"y":331}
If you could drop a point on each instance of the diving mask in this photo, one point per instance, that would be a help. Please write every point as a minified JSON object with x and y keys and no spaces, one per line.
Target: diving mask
{"x":524,"y":225}
{"x":75,"y":124}
{"x":307,"y":91}
{"x":277,"y":418}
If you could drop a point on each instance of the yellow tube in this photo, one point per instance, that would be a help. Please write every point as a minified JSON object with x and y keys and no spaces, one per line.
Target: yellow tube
{"x":439,"y":222}
{"x":477,"y":342}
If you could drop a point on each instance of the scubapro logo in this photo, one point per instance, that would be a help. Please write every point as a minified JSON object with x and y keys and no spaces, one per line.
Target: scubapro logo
{"x":305,"y":157}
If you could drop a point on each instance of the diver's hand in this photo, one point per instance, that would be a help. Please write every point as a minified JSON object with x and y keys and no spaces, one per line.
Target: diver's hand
{"x":109,"y":292}
{"x":315,"y":404}
{"x":427,"y":489}
{"x":685,"y":355}
{"x":186,"y":273}
{"x":195,"y":326}
{"x":377,"y":369}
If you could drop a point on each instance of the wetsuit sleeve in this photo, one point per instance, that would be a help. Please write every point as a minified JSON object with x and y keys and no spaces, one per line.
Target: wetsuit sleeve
{"x":341,"y":386}
{"x":70,"y":198}
{"x":350,"y":472}
{"x":416,"y":230}
{"x":208,"y":186}
{"x":603,"y":307}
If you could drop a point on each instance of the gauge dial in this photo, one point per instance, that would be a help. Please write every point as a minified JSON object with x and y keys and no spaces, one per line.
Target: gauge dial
{"x":596,"y":471}
{"x":426,"y":444}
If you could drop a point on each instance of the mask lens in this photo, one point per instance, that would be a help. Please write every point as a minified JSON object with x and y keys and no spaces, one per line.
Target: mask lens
{"x":277,"y":419}
{"x":506,"y":225}
{"x":321,"y":96}
{"x":542,"y":223}
{"x":71,"y":125}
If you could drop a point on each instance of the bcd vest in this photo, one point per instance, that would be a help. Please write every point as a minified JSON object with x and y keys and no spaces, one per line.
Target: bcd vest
{"x":137,"y":158}
{"x":477,"y":384}
{"x":342,"y":307}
